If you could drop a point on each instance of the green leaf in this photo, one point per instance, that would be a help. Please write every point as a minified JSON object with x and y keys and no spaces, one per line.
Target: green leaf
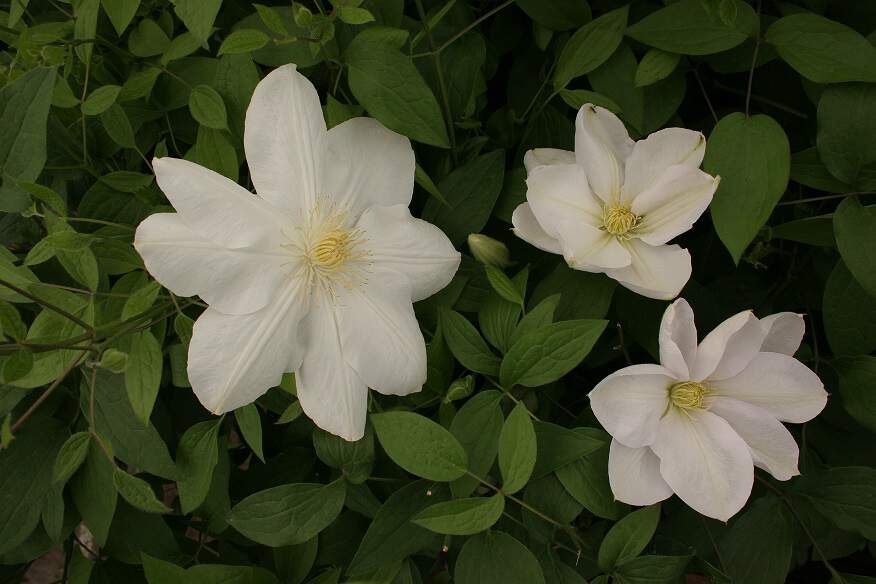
{"x":354,"y":15}
{"x":207,"y":107}
{"x":848,"y":313}
{"x":462,"y":516}
{"x":141,"y":300}
{"x":420,"y":446}
{"x":99,"y":100}
{"x":686,"y":27}
{"x":71,"y":456}
{"x":294,"y":562}
{"x":26,"y":478}
{"x":388,"y":84}
{"x":846,"y":496}
{"x":24,"y":112}
{"x":855,"y":228}
{"x":471,"y":192}
{"x":546,"y":354}
{"x":752,"y":157}
{"x":181,"y":46}
{"x":271,"y":19}
{"x":250,"y":423}
{"x":556,"y":14}
{"x":538,"y":317}
{"x":288,"y":514}
{"x":120,"y":12}
{"x":197,"y":455}
{"x":759,"y":545}
{"x":215,"y":151}
{"x":85,"y":26}
{"x":628,"y":537}
{"x":577,"y":98}
{"x":846,"y":123}
{"x":17,"y":365}
{"x":354,"y":459}
{"x":477,"y":425}
{"x":822,"y":50}
{"x":466,"y":343}
{"x":118,"y":126}
{"x":392,"y":536}
{"x":198,"y":15}
{"x":586,"y":479}
{"x":656,"y":65}
{"x":94,"y":492}
{"x":244,"y":40}
{"x":808,"y":169}
{"x":137,"y":492}
{"x":161,"y":572}
{"x":857,"y":379}
{"x":517,"y":450}
{"x":138,"y":445}
{"x":652,"y":570}
{"x":503,"y":285}
{"x":495,"y":556}
{"x":143,"y":374}
{"x":148,"y":40}
{"x":559,"y":446}
{"x":590,"y":46}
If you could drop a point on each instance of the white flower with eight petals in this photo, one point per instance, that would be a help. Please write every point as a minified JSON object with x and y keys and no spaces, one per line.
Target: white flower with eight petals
{"x":698,"y":423}
{"x":613,"y":204}
{"x":316,"y":274}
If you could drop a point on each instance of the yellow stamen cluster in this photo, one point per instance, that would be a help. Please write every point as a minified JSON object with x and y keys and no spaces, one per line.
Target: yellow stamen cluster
{"x":619,"y":220}
{"x":688,"y":395}
{"x":332,"y":249}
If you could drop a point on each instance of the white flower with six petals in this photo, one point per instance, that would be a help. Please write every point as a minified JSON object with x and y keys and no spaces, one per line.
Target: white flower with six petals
{"x":612,"y":205}
{"x":315,"y":274}
{"x":698,"y":423}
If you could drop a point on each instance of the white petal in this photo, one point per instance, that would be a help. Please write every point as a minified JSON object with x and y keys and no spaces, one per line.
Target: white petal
{"x":559,"y":194}
{"x":655,"y":271}
{"x":652,"y":156}
{"x":413,"y":247}
{"x":630,"y":402}
{"x":772,"y":446}
{"x":331,"y":393}
{"x":705,"y":462}
{"x":602,"y":144}
{"x":542,"y":156}
{"x":233,"y":281}
{"x":779,"y":384}
{"x":587,"y":248}
{"x":380,"y":336}
{"x":729,"y":348}
{"x":366,"y":165}
{"x":235,"y":359}
{"x":217,"y":208}
{"x":673,"y":203}
{"x":784,"y":332}
{"x":284,"y":139}
{"x":678,"y":338}
{"x":634,"y":475}
{"x":527,"y":228}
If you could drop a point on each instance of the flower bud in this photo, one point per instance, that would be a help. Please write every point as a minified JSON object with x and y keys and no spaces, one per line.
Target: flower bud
{"x":489,"y":251}
{"x":459,"y":389}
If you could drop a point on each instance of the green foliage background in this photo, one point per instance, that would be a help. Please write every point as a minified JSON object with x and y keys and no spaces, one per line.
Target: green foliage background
{"x":507,"y":482}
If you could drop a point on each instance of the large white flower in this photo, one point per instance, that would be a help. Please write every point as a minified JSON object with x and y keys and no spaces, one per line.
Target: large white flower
{"x":316,"y":274}
{"x":698,"y":423}
{"x":613,"y":204}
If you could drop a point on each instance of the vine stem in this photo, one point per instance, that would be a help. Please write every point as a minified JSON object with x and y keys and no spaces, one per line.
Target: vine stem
{"x":48,"y":305}
{"x":45,"y":395}
{"x":462,"y":32}
{"x":825,"y":198}
{"x":753,"y":63}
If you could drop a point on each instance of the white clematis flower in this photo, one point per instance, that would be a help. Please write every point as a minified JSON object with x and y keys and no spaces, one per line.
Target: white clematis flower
{"x":698,"y":423}
{"x":612,"y":205}
{"x":316,"y":274}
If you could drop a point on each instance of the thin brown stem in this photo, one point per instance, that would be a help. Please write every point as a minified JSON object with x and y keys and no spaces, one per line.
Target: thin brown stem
{"x":45,"y":395}
{"x":46,"y":304}
{"x":825,"y":198}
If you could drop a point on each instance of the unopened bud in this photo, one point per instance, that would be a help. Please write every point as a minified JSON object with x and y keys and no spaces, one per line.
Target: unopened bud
{"x":114,"y":360}
{"x":459,"y":389}
{"x":489,"y":251}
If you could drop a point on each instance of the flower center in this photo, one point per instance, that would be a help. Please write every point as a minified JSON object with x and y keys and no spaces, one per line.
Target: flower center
{"x":332,"y":249}
{"x":688,"y":395}
{"x":619,"y":220}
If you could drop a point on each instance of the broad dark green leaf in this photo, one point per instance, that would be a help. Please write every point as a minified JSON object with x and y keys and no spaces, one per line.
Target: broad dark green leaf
{"x":99,"y":100}
{"x":808,"y":169}
{"x":244,"y":40}
{"x":71,"y":456}
{"x":354,"y":459}
{"x":197,"y":15}
{"x":686,"y":27}
{"x":651,"y":570}
{"x":590,"y":46}
{"x":387,"y":83}
{"x":148,"y":39}
{"x":197,"y":455}
{"x":207,"y":107}
{"x":477,"y":425}
{"x":846,"y":121}
{"x":654,"y":66}
{"x":760,"y":543}
{"x":556,"y":14}
{"x":559,"y":446}
{"x":94,"y":491}
{"x":495,"y":557}
{"x":855,"y":228}
{"x":857,"y":387}
{"x":503,"y":285}
{"x":250,"y":423}
{"x":420,"y":446}
{"x":462,"y":516}
{"x":752,"y":157}
{"x":294,"y":562}
{"x":118,"y":126}
{"x":844,"y":495}
{"x":547,"y":353}
{"x":849,"y":314}
{"x":628,"y":537}
{"x":137,"y":492}
{"x":586,"y":479}
{"x":466,"y":343}
{"x":517,"y":450}
{"x":120,"y":12}
{"x":823,"y":50}
{"x":288,"y":514}
{"x":143,"y":374}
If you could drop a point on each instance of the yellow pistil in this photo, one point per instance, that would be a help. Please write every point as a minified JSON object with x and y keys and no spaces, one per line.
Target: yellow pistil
{"x":688,"y":395}
{"x":619,"y":220}
{"x":332,"y":249}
